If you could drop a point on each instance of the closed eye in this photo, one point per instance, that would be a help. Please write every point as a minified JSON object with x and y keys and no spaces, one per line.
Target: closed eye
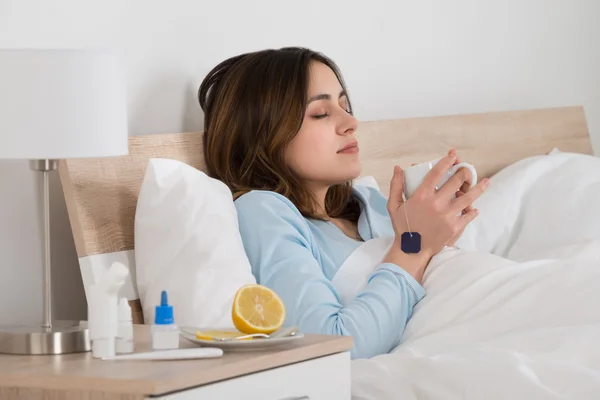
{"x":320,"y":116}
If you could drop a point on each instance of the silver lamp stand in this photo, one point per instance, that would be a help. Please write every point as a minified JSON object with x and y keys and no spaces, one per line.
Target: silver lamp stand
{"x":52,"y":337}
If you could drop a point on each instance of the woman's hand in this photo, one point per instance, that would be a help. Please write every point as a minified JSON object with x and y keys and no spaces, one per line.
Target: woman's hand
{"x":437,"y":215}
{"x":464,"y":189}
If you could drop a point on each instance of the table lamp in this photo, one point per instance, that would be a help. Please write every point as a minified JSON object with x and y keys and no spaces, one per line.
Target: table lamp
{"x":57,"y":104}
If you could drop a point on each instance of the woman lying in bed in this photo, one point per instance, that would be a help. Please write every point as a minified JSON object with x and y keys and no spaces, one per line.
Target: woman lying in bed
{"x":280,"y":132}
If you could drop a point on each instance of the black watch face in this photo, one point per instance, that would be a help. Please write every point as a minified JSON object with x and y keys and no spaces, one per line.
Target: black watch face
{"x":410,"y":242}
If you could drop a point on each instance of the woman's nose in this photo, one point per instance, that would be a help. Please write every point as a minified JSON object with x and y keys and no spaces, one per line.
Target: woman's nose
{"x":348,"y":125}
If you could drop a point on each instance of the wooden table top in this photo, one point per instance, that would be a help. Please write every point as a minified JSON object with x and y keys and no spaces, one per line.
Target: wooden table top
{"x":81,"y":373}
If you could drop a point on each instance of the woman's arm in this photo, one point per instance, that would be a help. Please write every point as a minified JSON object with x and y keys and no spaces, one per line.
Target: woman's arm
{"x":276,"y":238}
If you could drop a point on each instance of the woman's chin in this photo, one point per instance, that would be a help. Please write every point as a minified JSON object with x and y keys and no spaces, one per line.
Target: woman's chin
{"x":348,"y":177}
{"x":343,"y":175}
{"x":354,"y":172}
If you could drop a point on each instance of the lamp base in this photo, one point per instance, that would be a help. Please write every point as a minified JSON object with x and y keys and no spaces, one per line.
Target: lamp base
{"x":64,"y":337}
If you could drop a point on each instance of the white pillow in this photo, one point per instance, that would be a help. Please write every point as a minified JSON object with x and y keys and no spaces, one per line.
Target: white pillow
{"x":561,"y":210}
{"x":187,"y":242}
{"x":501,"y":207}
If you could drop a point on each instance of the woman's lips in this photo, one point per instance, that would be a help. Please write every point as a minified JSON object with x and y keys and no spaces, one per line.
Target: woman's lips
{"x":350,"y":148}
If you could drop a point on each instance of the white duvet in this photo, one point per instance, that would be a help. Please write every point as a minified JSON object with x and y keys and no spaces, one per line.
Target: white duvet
{"x":517,"y":325}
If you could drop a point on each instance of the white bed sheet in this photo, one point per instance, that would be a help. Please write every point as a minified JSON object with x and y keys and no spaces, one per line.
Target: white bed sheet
{"x":491,"y":328}
{"x":524,"y":324}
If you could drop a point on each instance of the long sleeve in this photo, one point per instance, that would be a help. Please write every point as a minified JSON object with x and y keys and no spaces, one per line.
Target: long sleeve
{"x":277,"y":240}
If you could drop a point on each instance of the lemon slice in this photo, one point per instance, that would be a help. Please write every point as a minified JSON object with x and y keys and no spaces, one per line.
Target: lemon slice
{"x":257,"y":309}
{"x":219,"y":335}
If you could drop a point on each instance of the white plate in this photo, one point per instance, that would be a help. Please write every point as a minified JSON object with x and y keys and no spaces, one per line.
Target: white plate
{"x":189,"y":333}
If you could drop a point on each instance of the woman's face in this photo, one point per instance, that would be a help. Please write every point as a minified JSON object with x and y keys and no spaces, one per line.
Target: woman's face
{"x":325,"y":150}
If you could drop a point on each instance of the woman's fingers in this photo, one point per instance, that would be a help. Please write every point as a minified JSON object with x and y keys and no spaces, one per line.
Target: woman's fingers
{"x":466,"y":216}
{"x":396,"y":189}
{"x":435,"y":175}
{"x":466,"y":219}
{"x":465,"y":187}
{"x":455,"y":183}
{"x":469,"y":207}
{"x":462,"y":202}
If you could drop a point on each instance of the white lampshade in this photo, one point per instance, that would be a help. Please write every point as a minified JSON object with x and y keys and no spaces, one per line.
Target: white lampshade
{"x":57,"y":104}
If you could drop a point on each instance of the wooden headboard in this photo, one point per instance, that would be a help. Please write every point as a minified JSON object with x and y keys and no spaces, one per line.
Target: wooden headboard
{"x":101,"y":194}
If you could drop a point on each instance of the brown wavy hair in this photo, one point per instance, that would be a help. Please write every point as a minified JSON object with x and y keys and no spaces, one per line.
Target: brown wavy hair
{"x":254,"y":105}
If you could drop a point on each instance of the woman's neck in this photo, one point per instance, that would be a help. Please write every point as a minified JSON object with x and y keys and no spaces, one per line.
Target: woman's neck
{"x":320,"y":194}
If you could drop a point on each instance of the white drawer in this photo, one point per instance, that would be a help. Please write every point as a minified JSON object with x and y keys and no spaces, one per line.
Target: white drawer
{"x":326,"y":378}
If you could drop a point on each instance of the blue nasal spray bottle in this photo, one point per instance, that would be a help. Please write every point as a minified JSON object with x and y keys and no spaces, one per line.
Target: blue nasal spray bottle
{"x":165,"y":333}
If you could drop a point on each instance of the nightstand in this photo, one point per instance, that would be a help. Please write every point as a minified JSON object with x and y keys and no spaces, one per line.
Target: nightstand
{"x":315,"y":367}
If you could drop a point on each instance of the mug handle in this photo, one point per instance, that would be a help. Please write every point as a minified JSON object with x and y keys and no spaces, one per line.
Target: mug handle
{"x":468,"y":166}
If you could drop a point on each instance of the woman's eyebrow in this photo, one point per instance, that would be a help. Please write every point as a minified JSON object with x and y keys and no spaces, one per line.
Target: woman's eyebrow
{"x":324,"y":96}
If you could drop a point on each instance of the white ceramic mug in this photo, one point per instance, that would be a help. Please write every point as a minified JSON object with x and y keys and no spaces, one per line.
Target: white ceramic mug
{"x":414,"y":175}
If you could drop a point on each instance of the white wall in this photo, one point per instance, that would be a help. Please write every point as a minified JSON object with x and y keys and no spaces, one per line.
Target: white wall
{"x":400,"y":58}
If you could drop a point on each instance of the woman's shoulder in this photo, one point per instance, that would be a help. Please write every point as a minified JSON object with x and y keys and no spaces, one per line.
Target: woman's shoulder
{"x":265,"y":215}
{"x":256,"y":200}
{"x":267,"y":207}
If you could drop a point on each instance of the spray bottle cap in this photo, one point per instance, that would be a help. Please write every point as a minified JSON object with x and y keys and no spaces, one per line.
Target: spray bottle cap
{"x":164,"y":312}
{"x":113,"y":279}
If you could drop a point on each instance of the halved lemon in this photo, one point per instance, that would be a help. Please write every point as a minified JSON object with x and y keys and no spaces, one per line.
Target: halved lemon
{"x":257,"y":309}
